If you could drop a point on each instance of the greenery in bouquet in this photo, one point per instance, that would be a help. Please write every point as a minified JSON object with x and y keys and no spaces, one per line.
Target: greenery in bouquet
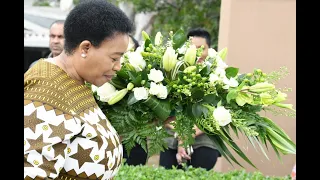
{"x":162,"y":78}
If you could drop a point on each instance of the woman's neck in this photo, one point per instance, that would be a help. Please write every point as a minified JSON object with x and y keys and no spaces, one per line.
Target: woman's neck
{"x":65,"y":63}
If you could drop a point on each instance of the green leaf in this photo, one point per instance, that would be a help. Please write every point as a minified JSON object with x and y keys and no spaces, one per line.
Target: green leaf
{"x":117,"y":83}
{"x":205,"y":71}
{"x":161,"y":108}
{"x":234,"y":129}
{"x":198,"y":109}
{"x":231,"y":72}
{"x":178,"y":39}
{"x":197,"y":93}
{"x":135,"y":78}
{"x":232,"y":95}
{"x":243,"y":98}
{"x":223,"y":149}
{"x":131,"y":99}
{"x":146,"y":44}
{"x":122,"y":74}
{"x":263,"y":151}
{"x":231,"y":143}
{"x":274,"y":147}
{"x":275,"y":127}
{"x":212,"y":99}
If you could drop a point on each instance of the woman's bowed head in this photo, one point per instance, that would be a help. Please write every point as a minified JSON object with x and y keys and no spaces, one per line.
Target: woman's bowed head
{"x":93,"y":54}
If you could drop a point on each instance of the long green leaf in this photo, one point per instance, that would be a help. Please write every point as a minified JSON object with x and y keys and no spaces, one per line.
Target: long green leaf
{"x":223,"y":149}
{"x":161,"y":108}
{"x":263,"y":151}
{"x":234,"y":129}
{"x":274,"y":148}
{"x":274,"y":126}
{"x":237,"y":150}
{"x":283,"y":143}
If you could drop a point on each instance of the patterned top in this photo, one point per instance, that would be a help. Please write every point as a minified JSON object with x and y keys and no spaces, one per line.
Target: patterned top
{"x":66,"y":135}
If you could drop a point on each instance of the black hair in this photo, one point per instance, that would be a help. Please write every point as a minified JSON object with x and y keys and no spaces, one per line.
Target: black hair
{"x":200,"y":32}
{"x":136,"y":43}
{"x":60,"y":21}
{"x":95,"y":21}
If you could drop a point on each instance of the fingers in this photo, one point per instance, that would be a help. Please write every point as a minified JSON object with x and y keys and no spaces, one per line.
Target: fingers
{"x":171,"y":118}
{"x":179,"y":158}
{"x":186,"y":156}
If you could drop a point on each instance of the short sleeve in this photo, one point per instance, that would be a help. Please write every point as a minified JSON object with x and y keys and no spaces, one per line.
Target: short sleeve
{"x":47,"y":133}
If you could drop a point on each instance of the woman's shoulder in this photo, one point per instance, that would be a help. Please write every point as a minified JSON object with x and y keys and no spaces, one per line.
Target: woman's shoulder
{"x":41,"y":69}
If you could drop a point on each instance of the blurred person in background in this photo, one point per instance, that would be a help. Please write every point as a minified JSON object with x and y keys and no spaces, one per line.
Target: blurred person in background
{"x":56,"y":39}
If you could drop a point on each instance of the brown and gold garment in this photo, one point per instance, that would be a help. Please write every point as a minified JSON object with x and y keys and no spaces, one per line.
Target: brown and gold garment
{"x":66,"y":135}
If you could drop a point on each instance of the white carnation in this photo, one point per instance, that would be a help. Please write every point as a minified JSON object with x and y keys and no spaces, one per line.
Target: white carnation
{"x":154,"y":89}
{"x":155,"y":75}
{"x":163,"y":92}
{"x":158,"y":90}
{"x":140,"y":93}
{"x":136,"y":60}
{"x":222,"y":116}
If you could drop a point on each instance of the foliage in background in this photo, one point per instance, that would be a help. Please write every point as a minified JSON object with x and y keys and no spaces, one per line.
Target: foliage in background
{"x":41,"y":3}
{"x":185,"y":14}
{"x":159,"y":173}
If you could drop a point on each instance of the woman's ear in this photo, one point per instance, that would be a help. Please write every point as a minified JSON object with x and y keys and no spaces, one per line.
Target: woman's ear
{"x":84,"y":48}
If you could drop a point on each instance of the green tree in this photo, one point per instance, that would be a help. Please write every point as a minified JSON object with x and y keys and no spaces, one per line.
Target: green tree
{"x":185,"y":14}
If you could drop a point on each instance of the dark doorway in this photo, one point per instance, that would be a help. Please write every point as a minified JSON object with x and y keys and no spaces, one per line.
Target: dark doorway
{"x":32,"y":54}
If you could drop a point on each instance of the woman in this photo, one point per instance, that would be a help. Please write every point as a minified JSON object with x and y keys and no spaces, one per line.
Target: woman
{"x":66,"y":135}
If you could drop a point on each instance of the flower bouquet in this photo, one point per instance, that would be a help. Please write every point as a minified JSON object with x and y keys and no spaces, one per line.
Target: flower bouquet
{"x":162,"y":79}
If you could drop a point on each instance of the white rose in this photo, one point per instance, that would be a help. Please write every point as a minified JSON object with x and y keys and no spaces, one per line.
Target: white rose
{"x":212,"y":53}
{"x":155,"y":75}
{"x":136,"y":60}
{"x":163,"y":92}
{"x":140,"y":93}
{"x":106,"y":92}
{"x":222,"y":116}
{"x":154,"y":89}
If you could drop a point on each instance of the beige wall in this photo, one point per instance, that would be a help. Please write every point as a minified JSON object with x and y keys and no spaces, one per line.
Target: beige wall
{"x":262,"y":34}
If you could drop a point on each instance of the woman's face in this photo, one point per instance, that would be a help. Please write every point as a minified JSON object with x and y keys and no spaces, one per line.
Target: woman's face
{"x":101,"y":64}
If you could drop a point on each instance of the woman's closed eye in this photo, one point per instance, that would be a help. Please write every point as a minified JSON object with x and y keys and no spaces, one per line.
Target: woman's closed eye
{"x":115,"y":59}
